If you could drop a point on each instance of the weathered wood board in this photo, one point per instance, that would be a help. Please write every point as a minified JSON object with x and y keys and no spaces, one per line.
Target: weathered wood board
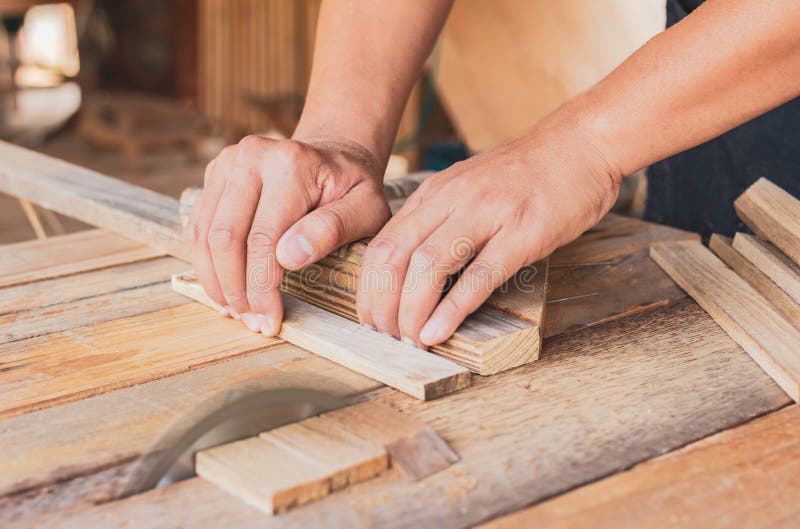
{"x":780,"y":300}
{"x":645,"y":385}
{"x":773,"y":214}
{"x":745,"y":477}
{"x":770,"y":261}
{"x":737,"y":307}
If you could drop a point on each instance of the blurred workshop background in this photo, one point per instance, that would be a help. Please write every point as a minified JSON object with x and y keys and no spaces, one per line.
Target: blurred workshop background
{"x":150,"y":90}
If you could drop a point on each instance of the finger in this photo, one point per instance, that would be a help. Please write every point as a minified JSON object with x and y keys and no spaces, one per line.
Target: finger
{"x":385,"y":265}
{"x":276,"y":212}
{"x":332,"y":225}
{"x":492,"y":267}
{"x":227,"y":236}
{"x":442,"y":254}
{"x":196,"y":231}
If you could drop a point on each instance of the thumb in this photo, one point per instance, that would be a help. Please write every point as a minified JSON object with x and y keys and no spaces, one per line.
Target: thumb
{"x":362,"y":212}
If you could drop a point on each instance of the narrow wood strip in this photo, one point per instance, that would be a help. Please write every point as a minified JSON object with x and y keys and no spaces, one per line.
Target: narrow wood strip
{"x":63,"y":255}
{"x":50,"y":292}
{"x":736,"y":306}
{"x":86,"y":361}
{"x":773,"y":214}
{"x":748,"y":476}
{"x":396,"y":364}
{"x":46,"y":320}
{"x":135,"y":212}
{"x":780,"y":300}
{"x":775,"y":265}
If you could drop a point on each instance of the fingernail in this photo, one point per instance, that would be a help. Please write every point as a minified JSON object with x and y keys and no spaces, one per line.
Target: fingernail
{"x":368,"y":326}
{"x":233,"y":313}
{"x":433,"y":331}
{"x":298,"y":251}
{"x":224,"y":312}
{"x":269,"y":326}
{"x":252,"y":321}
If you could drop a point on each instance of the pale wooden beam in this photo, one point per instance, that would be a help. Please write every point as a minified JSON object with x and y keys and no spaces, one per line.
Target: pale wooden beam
{"x":773,"y":214}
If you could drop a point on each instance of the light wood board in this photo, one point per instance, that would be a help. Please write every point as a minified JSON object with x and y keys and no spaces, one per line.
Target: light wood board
{"x":62,"y":255}
{"x":65,"y":366}
{"x":771,"y":262}
{"x":773,"y":214}
{"x":396,"y":364}
{"x":778,"y":298}
{"x":745,"y":477}
{"x":737,"y":307}
{"x":641,"y":387}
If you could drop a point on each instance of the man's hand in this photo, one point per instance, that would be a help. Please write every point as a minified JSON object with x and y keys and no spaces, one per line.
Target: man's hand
{"x":271,"y":205}
{"x":493,"y":213}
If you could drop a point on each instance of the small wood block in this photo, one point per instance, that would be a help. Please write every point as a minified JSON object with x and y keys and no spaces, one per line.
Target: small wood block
{"x":773,"y":214}
{"x":771,"y":262}
{"x":412,"y":445}
{"x":413,"y":371}
{"x":264,"y":475}
{"x":783,"y":302}
{"x":737,"y":307}
{"x":349,"y":458}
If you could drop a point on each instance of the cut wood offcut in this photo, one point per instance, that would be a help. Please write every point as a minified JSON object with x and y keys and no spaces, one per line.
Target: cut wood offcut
{"x":297,"y":463}
{"x":737,"y":307}
{"x":416,"y":372}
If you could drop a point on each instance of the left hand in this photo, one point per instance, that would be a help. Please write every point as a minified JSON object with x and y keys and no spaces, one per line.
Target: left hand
{"x":494,"y":213}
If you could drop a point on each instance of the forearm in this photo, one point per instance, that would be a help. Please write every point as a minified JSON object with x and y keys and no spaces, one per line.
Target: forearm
{"x":728,"y":62}
{"x":367,"y":57}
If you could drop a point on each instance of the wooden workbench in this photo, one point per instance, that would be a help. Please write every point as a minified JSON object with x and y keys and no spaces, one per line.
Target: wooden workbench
{"x":98,"y":357}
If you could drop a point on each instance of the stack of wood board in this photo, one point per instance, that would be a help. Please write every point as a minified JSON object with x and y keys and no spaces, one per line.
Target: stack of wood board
{"x":757,"y":299}
{"x":303,"y":461}
{"x":489,"y":340}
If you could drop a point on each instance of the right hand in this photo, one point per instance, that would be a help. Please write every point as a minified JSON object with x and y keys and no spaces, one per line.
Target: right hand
{"x":270,"y":205}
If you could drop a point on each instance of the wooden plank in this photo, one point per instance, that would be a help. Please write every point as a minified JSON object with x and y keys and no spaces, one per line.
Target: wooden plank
{"x":773,"y":214}
{"x":780,"y":300}
{"x":774,"y":264}
{"x":87,"y":451}
{"x":137,"y":213}
{"x":396,"y":364}
{"x":86,"y":361}
{"x":598,"y":401}
{"x":737,"y":307}
{"x":607,"y":274}
{"x":62,"y":255}
{"x":748,"y":476}
{"x":413,"y":445}
{"x":54,"y":305}
{"x":43,"y":321}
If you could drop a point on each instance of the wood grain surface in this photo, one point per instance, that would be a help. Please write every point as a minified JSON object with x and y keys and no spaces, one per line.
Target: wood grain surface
{"x":773,"y":214}
{"x":62,"y":255}
{"x":744,"y":477}
{"x":598,"y":401}
{"x":737,"y":307}
{"x":85,"y":361}
{"x":781,"y":301}
{"x":771,"y":262}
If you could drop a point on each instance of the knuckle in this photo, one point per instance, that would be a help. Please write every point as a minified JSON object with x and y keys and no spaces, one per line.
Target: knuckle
{"x":261,"y":241}
{"x":193,"y":233}
{"x":221,"y":238}
{"x":251,"y":144}
{"x":335,"y":224}
{"x":289,"y":153}
{"x":429,"y":256}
